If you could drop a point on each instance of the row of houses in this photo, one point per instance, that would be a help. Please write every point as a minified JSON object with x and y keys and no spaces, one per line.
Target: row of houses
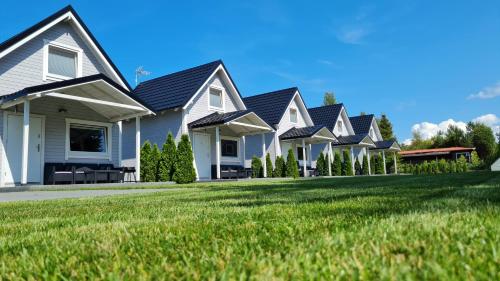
{"x":64,"y":103}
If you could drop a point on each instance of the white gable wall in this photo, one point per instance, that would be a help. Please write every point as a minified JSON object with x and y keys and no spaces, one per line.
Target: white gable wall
{"x":23,"y":67}
{"x":346,"y":125}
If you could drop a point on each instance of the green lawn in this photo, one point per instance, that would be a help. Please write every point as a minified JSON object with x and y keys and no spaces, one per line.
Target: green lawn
{"x":399,"y":227}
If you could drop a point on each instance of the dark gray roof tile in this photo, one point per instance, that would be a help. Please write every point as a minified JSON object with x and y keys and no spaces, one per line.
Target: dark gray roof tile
{"x":326,"y":115}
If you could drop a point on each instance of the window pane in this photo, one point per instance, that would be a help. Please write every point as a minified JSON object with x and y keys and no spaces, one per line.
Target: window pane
{"x":215,"y":98}
{"x":229,"y":148}
{"x":87,"y":139}
{"x":293,"y":115}
{"x":300,"y":154}
{"x":62,"y":62}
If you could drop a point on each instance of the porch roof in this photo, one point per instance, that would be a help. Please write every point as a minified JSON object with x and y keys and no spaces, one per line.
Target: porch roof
{"x":240,"y":123}
{"x":356,"y":140}
{"x":313,"y":134}
{"x":389,"y":145}
{"x":98,"y":92}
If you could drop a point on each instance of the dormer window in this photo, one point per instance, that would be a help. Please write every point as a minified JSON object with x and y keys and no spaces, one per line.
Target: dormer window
{"x":61,"y":62}
{"x":216,"y":99}
{"x":293,"y":115}
{"x":340,"y":127}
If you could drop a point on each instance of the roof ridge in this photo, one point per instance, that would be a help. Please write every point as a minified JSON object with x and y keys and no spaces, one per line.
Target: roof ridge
{"x":219,"y":61}
{"x":330,"y":105}
{"x":273,"y":92}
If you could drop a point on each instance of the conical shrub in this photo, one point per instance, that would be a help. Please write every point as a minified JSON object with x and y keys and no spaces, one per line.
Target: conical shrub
{"x":184,"y":169}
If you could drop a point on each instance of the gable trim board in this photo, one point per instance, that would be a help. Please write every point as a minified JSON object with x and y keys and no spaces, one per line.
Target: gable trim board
{"x":70,"y":15}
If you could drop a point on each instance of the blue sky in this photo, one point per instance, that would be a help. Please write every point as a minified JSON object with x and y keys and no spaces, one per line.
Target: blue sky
{"x":416,"y":61}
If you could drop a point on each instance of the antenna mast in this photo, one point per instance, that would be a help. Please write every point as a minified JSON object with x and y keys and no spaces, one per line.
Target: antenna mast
{"x":140,"y":72}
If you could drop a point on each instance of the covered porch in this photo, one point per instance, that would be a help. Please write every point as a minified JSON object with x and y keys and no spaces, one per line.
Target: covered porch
{"x":74,"y":122}
{"x":357,"y":143}
{"x":387,"y":147}
{"x":218,"y":142}
{"x":306,"y":137}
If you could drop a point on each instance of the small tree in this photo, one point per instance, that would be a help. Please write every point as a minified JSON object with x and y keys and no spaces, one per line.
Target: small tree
{"x":453,"y":167}
{"x":146,"y":167}
{"x":257,"y":169}
{"x":167,"y":159}
{"x":269,"y":166}
{"x":462,"y":164}
{"x":357,"y":166}
{"x":365,"y":165}
{"x":292,"y":169}
{"x":385,"y":127}
{"x":475,"y":160}
{"x":329,"y":98}
{"x":372,"y":164}
{"x":347,"y":164}
{"x":337,"y":165}
{"x":321,"y":165}
{"x":443,"y":166}
{"x":379,"y":165}
{"x":155,"y":163}
{"x":425,"y":168}
{"x":184,"y":169}
{"x":280,"y":168}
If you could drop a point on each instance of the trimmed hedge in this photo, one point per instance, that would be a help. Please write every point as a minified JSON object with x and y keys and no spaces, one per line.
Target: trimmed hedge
{"x":337,"y":165}
{"x":167,"y":159}
{"x":269,"y":166}
{"x":292,"y":169}
{"x":322,"y":165}
{"x":257,"y":170}
{"x":280,"y":168}
{"x":184,"y":168}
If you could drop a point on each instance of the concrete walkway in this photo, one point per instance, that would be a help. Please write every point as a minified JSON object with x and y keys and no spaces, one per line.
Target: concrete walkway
{"x":50,"y":195}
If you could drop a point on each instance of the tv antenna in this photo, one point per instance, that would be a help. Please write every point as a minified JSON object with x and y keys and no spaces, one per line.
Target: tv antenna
{"x":140,"y":72}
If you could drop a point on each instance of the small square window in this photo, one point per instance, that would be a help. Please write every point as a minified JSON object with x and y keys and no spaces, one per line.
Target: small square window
{"x":340,"y":126}
{"x":62,"y":62}
{"x":229,"y":148}
{"x":215,"y":98}
{"x":293,"y":115}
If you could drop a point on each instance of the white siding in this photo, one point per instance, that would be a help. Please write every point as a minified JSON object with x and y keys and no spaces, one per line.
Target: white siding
{"x":153,"y":128}
{"x":496,"y":165}
{"x":24,"y":66}
{"x":199,"y":107}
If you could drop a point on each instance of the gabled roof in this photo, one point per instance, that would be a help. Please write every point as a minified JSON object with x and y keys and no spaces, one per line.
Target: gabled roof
{"x":8,"y":45}
{"x":298,"y":133}
{"x":176,"y":89}
{"x":271,"y":106}
{"x":387,"y":144}
{"x":361,"y":124}
{"x":445,"y":150}
{"x":354,"y":140}
{"x":326,"y":115}
{"x":217,"y":118}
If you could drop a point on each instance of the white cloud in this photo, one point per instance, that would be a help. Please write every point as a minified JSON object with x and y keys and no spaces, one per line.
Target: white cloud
{"x":427,"y":130}
{"x":490,"y":120}
{"x":487,"y":93}
{"x":407,"y":142}
{"x":352,"y":34}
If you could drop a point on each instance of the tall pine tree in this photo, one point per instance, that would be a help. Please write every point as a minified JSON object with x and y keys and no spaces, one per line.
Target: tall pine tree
{"x":385,"y":127}
{"x":329,"y":98}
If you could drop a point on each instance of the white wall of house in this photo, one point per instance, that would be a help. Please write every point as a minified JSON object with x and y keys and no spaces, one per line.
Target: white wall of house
{"x":496,"y":165}
{"x":23,"y":67}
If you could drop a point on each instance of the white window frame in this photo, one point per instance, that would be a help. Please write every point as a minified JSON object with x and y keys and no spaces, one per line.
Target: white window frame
{"x":238,"y":147}
{"x":340,"y":124}
{"x":55,"y":77}
{"x":296,"y":115}
{"x":223,"y":102}
{"x":89,"y":155}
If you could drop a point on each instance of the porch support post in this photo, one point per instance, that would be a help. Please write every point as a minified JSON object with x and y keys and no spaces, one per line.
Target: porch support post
{"x":26,"y":134}
{"x":244,"y":152}
{"x":352,"y":161}
{"x":395,"y":163}
{"x":304,"y":160}
{"x":138,"y":148}
{"x":383,"y":158}
{"x":217,"y":151}
{"x":264,"y":164}
{"x":368,"y":157}
{"x":120,"y":129}
{"x":330,"y":155}
{"x":309,"y":155}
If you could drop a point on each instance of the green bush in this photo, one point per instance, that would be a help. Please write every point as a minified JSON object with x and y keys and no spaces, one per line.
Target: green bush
{"x":453,"y":167}
{"x":321,"y":165}
{"x":167,"y":159}
{"x":184,"y":169}
{"x":280,"y":168}
{"x":462,"y":163}
{"x":373,"y":165}
{"x":147,"y":172}
{"x":365,"y":165}
{"x":337,"y":165}
{"x":347,"y":164}
{"x":155,"y":163}
{"x":257,"y":169}
{"x":443,"y":166}
{"x":476,"y":162}
{"x":292,"y":169}
{"x":357,"y":166}
{"x":379,"y":165}
{"x":269,"y":166}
